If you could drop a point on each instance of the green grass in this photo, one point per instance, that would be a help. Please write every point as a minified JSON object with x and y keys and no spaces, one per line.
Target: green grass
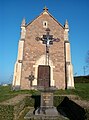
{"x":6,"y":92}
{"x":81,"y":89}
{"x":26,"y":110}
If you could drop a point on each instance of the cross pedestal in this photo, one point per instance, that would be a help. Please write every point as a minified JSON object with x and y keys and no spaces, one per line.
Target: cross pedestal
{"x":46,"y":99}
{"x":47,"y":110}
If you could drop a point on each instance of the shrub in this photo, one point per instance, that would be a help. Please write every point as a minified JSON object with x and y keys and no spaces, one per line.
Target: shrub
{"x":11,"y":111}
{"x":81,"y":79}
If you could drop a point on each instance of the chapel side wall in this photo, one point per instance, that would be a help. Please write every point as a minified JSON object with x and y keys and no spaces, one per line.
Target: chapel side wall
{"x":34,"y":49}
{"x":59,"y":63}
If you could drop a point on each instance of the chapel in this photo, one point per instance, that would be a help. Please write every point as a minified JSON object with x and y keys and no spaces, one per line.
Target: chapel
{"x":31,"y":67}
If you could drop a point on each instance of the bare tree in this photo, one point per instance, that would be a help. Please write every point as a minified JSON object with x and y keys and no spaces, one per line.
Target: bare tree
{"x":87,"y":58}
{"x":87,"y":63}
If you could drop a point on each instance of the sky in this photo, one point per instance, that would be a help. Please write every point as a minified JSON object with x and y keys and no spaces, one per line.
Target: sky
{"x":13,"y":11}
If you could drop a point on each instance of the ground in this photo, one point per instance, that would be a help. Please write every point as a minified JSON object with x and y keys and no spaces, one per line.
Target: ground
{"x":81,"y":90}
{"x":80,"y":95}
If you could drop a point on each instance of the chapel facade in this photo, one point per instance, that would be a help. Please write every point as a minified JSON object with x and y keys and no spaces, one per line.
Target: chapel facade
{"x":32,"y":56}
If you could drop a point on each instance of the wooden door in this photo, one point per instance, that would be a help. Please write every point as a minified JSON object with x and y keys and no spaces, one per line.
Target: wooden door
{"x":43,"y":76}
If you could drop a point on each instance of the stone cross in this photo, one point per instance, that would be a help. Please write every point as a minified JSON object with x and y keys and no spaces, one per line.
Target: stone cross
{"x":30,"y":78}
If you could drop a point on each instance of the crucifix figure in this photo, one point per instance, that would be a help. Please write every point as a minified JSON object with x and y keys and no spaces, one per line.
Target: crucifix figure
{"x":47,"y":40}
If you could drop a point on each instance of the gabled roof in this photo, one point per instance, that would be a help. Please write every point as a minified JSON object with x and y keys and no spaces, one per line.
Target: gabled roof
{"x":45,"y":12}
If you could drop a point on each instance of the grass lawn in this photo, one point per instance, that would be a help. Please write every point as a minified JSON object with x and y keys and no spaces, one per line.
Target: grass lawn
{"x":81,"y":89}
{"x":6,"y":92}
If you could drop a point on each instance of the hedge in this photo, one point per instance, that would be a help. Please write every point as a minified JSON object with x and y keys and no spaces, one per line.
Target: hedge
{"x":12,"y":111}
{"x":6,"y":112}
{"x":81,"y":79}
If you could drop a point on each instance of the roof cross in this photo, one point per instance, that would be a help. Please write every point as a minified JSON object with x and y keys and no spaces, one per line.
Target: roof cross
{"x":45,"y":8}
